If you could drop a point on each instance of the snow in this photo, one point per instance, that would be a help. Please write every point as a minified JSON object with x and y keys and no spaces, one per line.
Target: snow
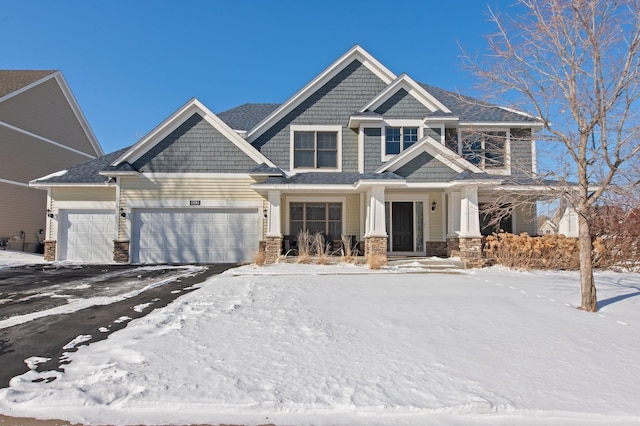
{"x":10,"y":258}
{"x":307,"y":344}
{"x":49,"y":176}
{"x":75,"y":342}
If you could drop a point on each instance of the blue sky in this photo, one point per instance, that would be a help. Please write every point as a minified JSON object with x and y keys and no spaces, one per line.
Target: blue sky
{"x":130,"y":64}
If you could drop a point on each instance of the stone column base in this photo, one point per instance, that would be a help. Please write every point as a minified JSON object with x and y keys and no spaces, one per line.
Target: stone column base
{"x":272,"y":249}
{"x":435,"y":248}
{"x":376,"y":246}
{"x":50,"y":250}
{"x":469,"y":250}
{"x":121,"y":251}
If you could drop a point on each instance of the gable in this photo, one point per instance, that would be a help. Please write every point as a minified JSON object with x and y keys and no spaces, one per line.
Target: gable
{"x":425,"y":168}
{"x":331,"y":104}
{"x":195,"y":147}
{"x":45,"y":111}
{"x":402,"y":105}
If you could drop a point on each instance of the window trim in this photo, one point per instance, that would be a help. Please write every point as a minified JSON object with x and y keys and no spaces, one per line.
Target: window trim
{"x":506,"y":169}
{"x":314,"y":199}
{"x":419,"y":124}
{"x":315,"y":128}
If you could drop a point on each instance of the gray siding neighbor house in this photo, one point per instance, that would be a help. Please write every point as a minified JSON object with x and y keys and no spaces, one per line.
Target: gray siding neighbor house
{"x":42,"y":130}
{"x":398,"y":165}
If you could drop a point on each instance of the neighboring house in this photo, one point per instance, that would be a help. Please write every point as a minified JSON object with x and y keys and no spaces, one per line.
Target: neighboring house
{"x":400,"y":165}
{"x":42,"y":130}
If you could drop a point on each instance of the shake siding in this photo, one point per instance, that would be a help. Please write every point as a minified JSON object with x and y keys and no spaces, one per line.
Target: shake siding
{"x":372,"y":147}
{"x":402,"y":105}
{"x":44,"y":110}
{"x":332,"y":104}
{"x":195,"y":147}
{"x":521,"y":156}
{"x":425,"y":168}
{"x":25,"y":158}
{"x":232,"y":189}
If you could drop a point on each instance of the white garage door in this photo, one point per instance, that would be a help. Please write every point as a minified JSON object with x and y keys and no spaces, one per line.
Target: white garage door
{"x":87,"y":235}
{"x":194,"y":236}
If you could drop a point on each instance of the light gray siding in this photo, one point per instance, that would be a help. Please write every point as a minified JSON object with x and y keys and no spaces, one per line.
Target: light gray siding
{"x":521,"y":154}
{"x":425,"y":168}
{"x":195,"y":147}
{"x":332,"y":104}
{"x":372,"y":148}
{"x":402,"y":105}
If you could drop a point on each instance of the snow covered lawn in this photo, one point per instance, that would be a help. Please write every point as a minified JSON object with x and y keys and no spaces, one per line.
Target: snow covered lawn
{"x":293,"y":344}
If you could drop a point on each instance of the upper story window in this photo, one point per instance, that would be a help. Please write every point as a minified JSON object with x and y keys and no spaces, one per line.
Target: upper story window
{"x":397,"y":139}
{"x":316,"y":147}
{"x":486,"y":150}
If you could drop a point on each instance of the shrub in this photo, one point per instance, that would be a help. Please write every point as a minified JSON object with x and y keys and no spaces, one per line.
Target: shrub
{"x":320,"y":249}
{"x":304,"y":246}
{"x":526,"y":252}
{"x":260,"y":257}
{"x":376,"y":261}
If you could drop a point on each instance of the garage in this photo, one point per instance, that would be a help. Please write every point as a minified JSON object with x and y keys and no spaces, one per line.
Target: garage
{"x":87,"y":235}
{"x":194,"y":236}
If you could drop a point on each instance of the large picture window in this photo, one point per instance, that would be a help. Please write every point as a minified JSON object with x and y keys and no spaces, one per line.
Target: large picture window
{"x":325,"y":218}
{"x":315,"y":150}
{"x":397,"y":139}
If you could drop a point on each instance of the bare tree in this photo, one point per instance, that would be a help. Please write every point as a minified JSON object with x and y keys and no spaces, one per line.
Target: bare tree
{"x":576,"y":65}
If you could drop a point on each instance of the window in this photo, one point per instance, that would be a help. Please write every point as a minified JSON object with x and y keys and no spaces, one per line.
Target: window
{"x":325,"y":218}
{"x":315,"y":149}
{"x":400,"y":138}
{"x":486,"y":150}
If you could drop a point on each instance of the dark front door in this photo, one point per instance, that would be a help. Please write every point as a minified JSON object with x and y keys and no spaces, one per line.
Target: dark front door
{"x":402,"y":226}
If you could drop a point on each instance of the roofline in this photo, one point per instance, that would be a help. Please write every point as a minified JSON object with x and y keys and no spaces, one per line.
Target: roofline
{"x":178,"y":118}
{"x":116,"y":173}
{"x":71,"y":100}
{"x":356,"y":52}
{"x":434,"y":148}
{"x":359,"y":184}
{"x":70,"y":184}
{"x":415,"y":90}
{"x":536,"y":125}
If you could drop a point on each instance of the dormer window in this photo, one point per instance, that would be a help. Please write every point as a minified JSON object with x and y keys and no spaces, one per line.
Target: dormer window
{"x":400,"y":138}
{"x":316,"y":148}
{"x":486,"y":150}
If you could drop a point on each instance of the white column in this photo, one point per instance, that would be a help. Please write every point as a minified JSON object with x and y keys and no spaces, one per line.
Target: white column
{"x":469,"y":216}
{"x":568,"y":225}
{"x":273,"y":215}
{"x":453,"y":214}
{"x":376,"y":223}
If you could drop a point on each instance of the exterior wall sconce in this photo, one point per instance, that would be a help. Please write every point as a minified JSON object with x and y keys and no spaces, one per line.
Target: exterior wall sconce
{"x":122,"y":212}
{"x":50,"y":214}
{"x":433,"y":206}
{"x":264,"y":211}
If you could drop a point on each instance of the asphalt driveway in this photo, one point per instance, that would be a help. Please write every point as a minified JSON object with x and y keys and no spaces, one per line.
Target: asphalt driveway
{"x":118,"y":294}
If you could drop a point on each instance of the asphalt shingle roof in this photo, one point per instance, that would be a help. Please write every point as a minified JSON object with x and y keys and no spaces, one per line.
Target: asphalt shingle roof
{"x":320,"y":178}
{"x":12,"y":80}
{"x":88,"y":172}
{"x":246,"y":116}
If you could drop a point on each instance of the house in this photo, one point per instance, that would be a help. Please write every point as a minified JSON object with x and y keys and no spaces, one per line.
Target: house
{"x":402,"y":166}
{"x":42,"y":130}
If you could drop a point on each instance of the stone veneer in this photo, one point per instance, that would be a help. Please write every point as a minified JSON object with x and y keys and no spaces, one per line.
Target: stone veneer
{"x":121,"y":251}
{"x":50,"y":250}
{"x":272,"y":249}
{"x":436,"y":248}
{"x":469,"y":250}
{"x":376,"y":246}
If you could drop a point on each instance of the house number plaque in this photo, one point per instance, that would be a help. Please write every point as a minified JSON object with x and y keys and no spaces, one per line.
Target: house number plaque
{"x":194,"y":202}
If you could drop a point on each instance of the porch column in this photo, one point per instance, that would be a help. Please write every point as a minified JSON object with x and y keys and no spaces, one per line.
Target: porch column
{"x":375,"y":239}
{"x":469,"y":215}
{"x":463,"y":231}
{"x":453,"y":214}
{"x":273,"y":239}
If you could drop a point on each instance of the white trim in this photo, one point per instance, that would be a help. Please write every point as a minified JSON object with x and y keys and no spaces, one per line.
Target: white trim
{"x":414,"y":89}
{"x":313,"y":199}
{"x":504,"y":171}
{"x":315,"y":128}
{"x":84,"y":205}
{"x":401,"y":123}
{"x":361,"y":148}
{"x":13,"y":182}
{"x":161,"y":175}
{"x":534,"y":155}
{"x":512,"y":124}
{"x":43,"y":139}
{"x":28,"y":86}
{"x":356,"y":52}
{"x":37,"y":184}
{"x":426,"y":224}
{"x":176,"y":120}
{"x":436,"y":150}
{"x":185,"y":203}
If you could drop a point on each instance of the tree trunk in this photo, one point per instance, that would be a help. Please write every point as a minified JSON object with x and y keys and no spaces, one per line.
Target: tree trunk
{"x":587,"y":283}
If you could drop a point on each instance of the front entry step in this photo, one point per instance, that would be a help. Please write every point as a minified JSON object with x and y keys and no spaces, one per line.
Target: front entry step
{"x":427,"y":264}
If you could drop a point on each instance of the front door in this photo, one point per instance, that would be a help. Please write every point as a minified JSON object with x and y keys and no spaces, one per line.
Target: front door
{"x":402,"y":226}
